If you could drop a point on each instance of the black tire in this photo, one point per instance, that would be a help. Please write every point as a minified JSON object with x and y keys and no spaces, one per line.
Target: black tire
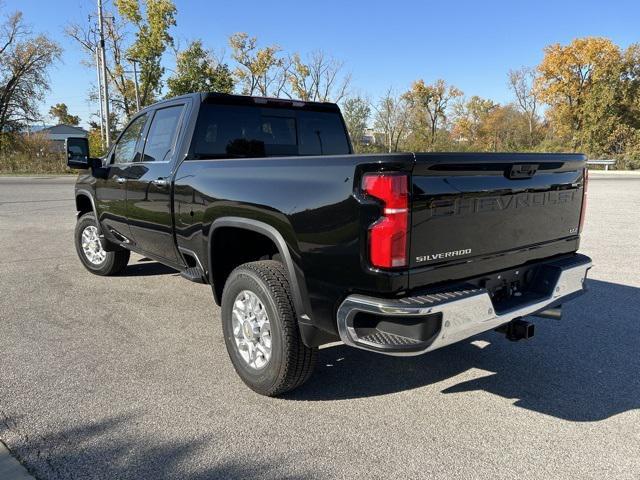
{"x":113,"y":263}
{"x":292,"y":362}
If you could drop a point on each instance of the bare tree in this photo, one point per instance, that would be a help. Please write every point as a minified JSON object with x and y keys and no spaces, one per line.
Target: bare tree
{"x":280,"y":80}
{"x":150,"y":28}
{"x":522,"y":82}
{"x":391,"y":119}
{"x":24,"y":62}
{"x":122,"y":96}
{"x":319,"y":79}
{"x":273,"y":81}
{"x":259,"y":69}
{"x":11,"y":29}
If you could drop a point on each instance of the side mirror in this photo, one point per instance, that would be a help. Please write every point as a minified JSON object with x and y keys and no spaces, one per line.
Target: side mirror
{"x":77,"y":149}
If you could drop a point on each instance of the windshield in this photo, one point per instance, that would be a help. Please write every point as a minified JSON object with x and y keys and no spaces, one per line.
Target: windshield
{"x":227,"y":131}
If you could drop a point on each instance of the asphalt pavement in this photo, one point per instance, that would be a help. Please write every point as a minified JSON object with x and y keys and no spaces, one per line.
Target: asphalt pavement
{"x":128,"y":378}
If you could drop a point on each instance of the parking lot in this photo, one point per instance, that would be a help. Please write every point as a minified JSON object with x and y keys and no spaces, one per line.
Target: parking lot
{"x":128,"y":378}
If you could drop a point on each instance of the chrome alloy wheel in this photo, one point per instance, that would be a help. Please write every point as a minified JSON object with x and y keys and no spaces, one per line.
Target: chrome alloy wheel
{"x":251,"y":329}
{"x":91,"y":245}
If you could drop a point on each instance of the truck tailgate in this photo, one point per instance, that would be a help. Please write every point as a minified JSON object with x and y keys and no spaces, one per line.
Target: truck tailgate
{"x":471,"y":208}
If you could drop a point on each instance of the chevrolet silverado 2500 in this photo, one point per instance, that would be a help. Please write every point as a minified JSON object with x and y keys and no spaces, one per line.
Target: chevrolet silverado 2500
{"x":305,"y":242}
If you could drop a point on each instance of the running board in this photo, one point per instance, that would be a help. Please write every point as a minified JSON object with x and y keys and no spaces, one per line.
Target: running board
{"x":193,"y":274}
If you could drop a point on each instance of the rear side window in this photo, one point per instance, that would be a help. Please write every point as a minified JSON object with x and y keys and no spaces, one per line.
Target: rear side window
{"x":227,"y":131}
{"x":321,"y":134}
{"x":162,"y":134}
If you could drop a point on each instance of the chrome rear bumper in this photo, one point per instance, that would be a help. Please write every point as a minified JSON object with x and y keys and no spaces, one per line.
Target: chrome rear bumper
{"x":462,"y":312}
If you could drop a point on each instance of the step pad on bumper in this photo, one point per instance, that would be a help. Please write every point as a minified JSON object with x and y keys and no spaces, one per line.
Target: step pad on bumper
{"x":440,"y":297}
{"x":386,"y":338}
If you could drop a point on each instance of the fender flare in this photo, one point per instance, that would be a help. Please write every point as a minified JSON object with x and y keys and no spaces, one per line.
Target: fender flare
{"x":106,"y":244}
{"x":87,"y":193}
{"x":296,"y":276}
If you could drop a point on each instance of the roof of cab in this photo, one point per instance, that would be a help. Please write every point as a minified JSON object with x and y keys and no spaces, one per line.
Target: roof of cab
{"x":226,"y":98}
{"x":230,"y":99}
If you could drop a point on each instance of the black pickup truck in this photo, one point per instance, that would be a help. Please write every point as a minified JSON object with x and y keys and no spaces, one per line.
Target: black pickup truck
{"x":305,"y":243}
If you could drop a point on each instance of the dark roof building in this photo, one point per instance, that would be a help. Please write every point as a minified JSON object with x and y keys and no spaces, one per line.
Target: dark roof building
{"x":62,"y":132}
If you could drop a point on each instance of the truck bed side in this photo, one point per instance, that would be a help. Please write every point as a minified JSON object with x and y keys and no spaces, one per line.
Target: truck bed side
{"x":310,"y":201}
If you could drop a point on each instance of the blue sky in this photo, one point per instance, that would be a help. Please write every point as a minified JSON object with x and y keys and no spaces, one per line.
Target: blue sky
{"x":471,"y":44}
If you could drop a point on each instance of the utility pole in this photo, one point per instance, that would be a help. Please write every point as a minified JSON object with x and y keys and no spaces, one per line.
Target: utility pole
{"x":102,"y":137}
{"x":105,"y":86}
{"x":135,"y":82}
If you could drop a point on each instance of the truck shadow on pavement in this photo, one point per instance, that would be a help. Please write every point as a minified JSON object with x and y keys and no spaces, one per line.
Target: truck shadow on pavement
{"x":146,"y":268}
{"x":582,"y":368}
{"x":89,"y":451}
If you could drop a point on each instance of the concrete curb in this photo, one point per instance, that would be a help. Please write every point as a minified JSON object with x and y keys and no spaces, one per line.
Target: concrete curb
{"x":39,"y":175}
{"x":614,"y":173}
{"x":10,"y":468}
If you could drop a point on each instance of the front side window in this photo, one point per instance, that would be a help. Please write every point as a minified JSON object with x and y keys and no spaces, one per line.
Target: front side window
{"x":162,"y":133}
{"x":125,"y":151}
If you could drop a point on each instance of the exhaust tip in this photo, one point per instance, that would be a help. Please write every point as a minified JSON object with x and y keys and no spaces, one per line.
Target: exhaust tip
{"x":552,"y":313}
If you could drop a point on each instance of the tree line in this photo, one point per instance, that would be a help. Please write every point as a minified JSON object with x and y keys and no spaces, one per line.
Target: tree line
{"x":583,"y":96}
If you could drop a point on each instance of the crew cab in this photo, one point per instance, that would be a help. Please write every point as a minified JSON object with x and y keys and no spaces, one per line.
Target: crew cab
{"x":305,"y":242}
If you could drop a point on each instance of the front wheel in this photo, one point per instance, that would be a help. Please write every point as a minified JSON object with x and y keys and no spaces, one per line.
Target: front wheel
{"x":92,"y":255}
{"x":261,"y":330}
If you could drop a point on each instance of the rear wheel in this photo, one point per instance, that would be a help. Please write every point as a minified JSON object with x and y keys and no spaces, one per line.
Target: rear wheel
{"x":89,"y":249}
{"x":261,"y":330}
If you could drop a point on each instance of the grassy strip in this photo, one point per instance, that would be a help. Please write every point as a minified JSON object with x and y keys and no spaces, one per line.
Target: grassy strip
{"x":34,"y":165}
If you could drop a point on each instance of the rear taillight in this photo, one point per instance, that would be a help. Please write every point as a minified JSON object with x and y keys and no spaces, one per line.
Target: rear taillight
{"x":388,"y":235}
{"x":584,"y":198}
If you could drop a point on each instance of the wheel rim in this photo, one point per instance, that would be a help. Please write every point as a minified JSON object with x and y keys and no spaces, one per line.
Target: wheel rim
{"x":251,"y":330}
{"x":91,"y":246}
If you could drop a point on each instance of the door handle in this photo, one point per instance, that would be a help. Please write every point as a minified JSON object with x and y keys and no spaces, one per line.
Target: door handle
{"x":160,"y":182}
{"x":120,"y":179}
